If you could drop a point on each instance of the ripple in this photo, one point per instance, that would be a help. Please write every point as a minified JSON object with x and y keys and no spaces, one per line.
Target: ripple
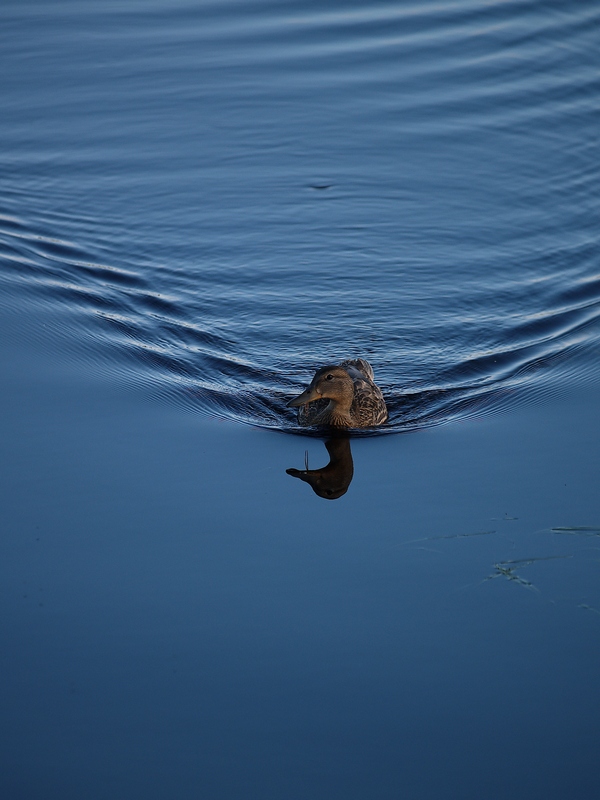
{"x":198,"y":368}
{"x":221,"y":199}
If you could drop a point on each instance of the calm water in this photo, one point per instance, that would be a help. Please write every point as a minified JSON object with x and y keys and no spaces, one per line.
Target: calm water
{"x":202,"y":202}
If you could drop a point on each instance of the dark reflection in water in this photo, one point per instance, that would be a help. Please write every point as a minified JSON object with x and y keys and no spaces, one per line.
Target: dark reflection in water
{"x":332,"y":480}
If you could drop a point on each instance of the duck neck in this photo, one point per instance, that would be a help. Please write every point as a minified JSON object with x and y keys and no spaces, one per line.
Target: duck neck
{"x":339,"y":412}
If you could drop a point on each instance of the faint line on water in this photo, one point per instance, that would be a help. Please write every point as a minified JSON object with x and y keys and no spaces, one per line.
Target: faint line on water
{"x":450,"y":536}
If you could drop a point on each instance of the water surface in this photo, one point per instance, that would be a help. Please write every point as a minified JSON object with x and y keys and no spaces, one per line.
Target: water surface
{"x":224,"y":196}
{"x":200,"y":203}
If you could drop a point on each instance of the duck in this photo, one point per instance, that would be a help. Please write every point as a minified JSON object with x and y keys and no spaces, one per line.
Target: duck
{"x":342,"y":396}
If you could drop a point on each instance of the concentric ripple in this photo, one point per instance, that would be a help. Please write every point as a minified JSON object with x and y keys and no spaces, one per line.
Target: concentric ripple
{"x":220,"y":199}
{"x":219,"y":367}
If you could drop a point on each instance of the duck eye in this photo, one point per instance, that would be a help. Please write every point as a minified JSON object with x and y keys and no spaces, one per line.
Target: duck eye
{"x":329,"y":378}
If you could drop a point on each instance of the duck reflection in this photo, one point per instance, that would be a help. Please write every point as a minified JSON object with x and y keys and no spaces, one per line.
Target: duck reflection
{"x":333,"y":480}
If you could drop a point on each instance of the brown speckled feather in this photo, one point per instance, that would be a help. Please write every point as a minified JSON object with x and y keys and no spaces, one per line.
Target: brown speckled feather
{"x":368,"y":405}
{"x":309,"y":414}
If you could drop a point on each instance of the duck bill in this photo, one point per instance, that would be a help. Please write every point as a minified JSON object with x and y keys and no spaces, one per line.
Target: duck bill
{"x":307,"y":396}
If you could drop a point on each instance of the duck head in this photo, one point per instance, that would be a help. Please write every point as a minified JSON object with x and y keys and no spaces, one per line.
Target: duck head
{"x":331,"y":383}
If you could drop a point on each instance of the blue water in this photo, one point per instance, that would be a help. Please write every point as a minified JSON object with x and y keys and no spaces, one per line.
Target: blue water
{"x":200,"y":204}
{"x":227,"y":195}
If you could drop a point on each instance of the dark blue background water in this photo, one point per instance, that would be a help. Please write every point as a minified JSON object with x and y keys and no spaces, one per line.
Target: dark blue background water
{"x":200,"y":203}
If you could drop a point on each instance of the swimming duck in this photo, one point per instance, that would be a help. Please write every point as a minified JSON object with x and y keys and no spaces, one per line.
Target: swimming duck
{"x":343,"y":396}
